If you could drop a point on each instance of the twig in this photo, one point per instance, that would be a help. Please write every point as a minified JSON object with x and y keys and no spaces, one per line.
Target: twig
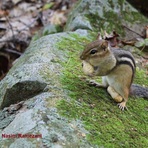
{"x":132,"y":31}
{"x":143,"y":48}
{"x":28,"y":25}
{"x":24,"y":23}
{"x":14,"y":52}
{"x":11,"y":28}
{"x":1,"y":41}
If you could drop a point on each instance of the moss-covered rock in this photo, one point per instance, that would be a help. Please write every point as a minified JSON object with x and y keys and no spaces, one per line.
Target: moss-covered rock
{"x":106,"y":15}
{"x":41,"y":66}
{"x":58,"y":104}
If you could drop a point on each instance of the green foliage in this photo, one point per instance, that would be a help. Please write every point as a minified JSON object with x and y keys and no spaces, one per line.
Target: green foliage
{"x":48,"y":6}
{"x":108,"y":126}
{"x":140,"y":77}
{"x":46,"y":30}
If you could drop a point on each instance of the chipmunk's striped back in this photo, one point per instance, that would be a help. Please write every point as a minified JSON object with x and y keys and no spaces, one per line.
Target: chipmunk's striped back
{"x":125,"y":57}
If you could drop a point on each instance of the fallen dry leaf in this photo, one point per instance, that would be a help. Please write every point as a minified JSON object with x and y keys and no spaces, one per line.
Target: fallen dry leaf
{"x":146,"y":30}
{"x":21,"y":19}
{"x":58,"y":18}
{"x":3,"y":13}
{"x":111,"y":38}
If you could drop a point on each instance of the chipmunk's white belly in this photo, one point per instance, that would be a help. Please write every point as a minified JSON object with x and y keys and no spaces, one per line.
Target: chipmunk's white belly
{"x":108,"y":81}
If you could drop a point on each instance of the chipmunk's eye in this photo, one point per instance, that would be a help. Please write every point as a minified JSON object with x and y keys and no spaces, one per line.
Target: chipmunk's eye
{"x":93,"y":51}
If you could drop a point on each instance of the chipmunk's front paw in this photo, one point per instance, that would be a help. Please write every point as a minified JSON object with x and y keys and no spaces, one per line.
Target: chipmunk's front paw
{"x":122,"y":106}
{"x":95,"y":84}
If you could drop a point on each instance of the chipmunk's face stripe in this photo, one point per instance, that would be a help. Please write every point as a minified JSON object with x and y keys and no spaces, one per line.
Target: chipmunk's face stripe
{"x":96,"y":46}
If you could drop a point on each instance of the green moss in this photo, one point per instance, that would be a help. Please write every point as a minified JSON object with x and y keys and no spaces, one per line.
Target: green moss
{"x":107,"y":24}
{"x":109,"y":17}
{"x":107,"y":125}
{"x":141,"y":77}
{"x":73,"y":43}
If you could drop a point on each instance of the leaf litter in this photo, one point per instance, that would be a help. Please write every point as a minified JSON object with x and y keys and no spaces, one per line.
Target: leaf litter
{"x":20,"y":20}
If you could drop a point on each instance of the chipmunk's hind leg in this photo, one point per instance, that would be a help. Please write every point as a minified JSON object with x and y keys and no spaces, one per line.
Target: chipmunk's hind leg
{"x":118,"y":98}
{"x":121,"y":82}
{"x":114,"y":94}
{"x":125,"y":95}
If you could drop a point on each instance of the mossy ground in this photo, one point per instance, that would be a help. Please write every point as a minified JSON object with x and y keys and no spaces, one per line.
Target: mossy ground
{"x":108,"y":126}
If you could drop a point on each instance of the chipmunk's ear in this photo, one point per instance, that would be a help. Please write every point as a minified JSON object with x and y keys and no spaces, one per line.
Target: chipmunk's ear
{"x":104,"y":45}
{"x":99,"y":37}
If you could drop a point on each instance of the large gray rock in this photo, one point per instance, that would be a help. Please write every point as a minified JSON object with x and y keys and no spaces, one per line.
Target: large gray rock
{"x":32,"y":72}
{"x":98,"y":15}
{"x":35,"y":76}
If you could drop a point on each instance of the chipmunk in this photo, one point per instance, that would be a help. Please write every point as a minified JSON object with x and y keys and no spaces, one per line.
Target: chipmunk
{"x":117,"y":68}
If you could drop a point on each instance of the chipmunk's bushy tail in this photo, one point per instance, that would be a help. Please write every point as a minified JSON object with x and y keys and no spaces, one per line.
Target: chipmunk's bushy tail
{"x":139,"y":91}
